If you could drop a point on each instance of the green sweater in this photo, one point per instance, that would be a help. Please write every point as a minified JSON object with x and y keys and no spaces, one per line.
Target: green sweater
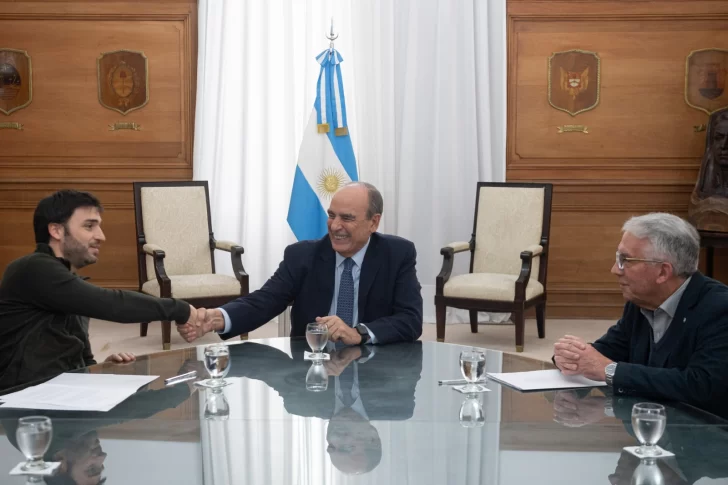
{"x":42,"y":308}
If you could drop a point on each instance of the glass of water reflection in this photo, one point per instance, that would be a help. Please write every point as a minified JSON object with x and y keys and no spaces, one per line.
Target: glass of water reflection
{"x":471,"y":412}
{"x":34,"y":436}
{"x":648,"y":422}
{"x":317,"y":377}
{"x":317,"y":335}
{"x":217,"y":407}
{"x":472,"y":366}
{"x":217,"y":363}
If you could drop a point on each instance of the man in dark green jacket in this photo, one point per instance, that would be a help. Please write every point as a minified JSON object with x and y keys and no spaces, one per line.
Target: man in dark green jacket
{"x":44,"y":304}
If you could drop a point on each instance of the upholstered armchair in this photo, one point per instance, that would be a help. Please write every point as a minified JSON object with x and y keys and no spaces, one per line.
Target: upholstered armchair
{"x":508,"y":258}
{"x":175,"y":246}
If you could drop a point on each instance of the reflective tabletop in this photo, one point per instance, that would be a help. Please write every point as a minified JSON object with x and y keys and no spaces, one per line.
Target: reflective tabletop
{"x":367,"y":415}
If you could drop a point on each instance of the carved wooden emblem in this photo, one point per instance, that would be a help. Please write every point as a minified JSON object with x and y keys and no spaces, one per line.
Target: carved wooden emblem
{"x":705,"y":80}
{"x":16,"y":80}
{"x":123,"y":80}
{"x":574,"y":81}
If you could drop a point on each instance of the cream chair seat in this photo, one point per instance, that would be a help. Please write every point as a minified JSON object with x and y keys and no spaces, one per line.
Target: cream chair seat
{"x":508,"y":258}
{"x":196,"y":286}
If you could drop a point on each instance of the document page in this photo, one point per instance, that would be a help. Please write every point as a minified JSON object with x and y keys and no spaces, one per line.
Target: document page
{"x":542,"y":380}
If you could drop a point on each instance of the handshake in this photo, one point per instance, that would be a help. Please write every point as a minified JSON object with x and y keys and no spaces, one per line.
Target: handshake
{"x":201,"y":321}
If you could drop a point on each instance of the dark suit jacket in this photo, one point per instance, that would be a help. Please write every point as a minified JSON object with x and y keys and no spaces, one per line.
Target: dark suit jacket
{"x":387,"y":381}
{"x":390,"y":303}
{"x":694,"y":366}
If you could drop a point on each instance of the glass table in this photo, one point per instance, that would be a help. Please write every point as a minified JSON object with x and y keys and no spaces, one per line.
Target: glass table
{"x":382,"y":418}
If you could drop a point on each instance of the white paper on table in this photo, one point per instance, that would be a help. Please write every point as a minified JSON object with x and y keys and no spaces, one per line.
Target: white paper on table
{"x":77,"y":392}
{"x":542,"y":380}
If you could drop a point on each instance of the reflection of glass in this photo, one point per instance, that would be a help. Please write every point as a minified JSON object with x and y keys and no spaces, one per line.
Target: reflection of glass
{"x":471,"y":412}
{"x":317,"y":377}
{"x":216,"y":405}
{"x":217,"y":363}
{"x":317,"y":334}
{"x":648,"y":423}
{"x":647,"y":473}
{"x":472,"y":366}
{"x":34,"y":436}
{"x":33,"y":479}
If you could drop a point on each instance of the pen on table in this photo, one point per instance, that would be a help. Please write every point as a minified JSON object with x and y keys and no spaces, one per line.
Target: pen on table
{"x":454,"y":382}
{"x":180,"y":378}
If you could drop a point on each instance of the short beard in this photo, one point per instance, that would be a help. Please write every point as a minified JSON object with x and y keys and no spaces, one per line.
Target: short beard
{"x":74,"y":252}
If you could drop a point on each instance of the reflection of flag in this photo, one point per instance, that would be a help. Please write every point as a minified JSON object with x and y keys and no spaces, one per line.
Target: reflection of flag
{"x":326,"y":158}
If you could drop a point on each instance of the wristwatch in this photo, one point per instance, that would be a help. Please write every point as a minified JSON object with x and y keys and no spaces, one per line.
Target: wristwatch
{"x":364,"y":332}
{"x":609,"y":371}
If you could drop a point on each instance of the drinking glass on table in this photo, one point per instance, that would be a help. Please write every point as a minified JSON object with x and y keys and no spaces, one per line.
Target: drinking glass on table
{"x":472,"y":366}
{"x":648,"y":422}
{"x":217,"y":363}
{"x":34,"y":436}
{"x":317,"y":335}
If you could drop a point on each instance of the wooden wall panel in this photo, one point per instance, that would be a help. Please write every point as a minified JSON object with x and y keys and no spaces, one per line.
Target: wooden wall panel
{"x":66,"y":141}
{"x":641,"y":154}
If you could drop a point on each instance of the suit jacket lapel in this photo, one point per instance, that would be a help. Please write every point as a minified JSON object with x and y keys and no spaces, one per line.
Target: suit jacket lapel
{"x":325,"y":276}
{"x":681,"y":318}
{"x":369,"y":268}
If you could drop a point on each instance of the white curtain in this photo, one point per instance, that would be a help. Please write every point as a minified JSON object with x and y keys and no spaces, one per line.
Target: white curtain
{"x":425,"y":83}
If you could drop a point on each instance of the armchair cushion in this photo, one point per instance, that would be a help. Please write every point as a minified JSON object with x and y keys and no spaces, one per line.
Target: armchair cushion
{"x":150,"y":248}
{"x":197,"y":286}
{"x":459,"y":246}
{"x":225,"y":245}
{"x":489,"y":286}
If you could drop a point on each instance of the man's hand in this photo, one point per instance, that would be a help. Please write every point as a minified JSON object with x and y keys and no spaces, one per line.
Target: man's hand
{"x":340,"y":359}
{"x":205,"y":321}
{"x":121,"y":358}
{"x":566,"y":354}
{"x":192,"y":320}
{"x":574,"y":412}
{"x":339,"y":331}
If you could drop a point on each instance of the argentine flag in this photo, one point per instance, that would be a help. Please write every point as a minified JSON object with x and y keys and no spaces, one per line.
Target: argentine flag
{"x":326,"y":159}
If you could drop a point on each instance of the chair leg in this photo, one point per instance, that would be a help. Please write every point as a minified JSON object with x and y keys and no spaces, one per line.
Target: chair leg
{"x":440,"y":318}
{"x":474,"y":321}
{"x":143,"y":327}
{"x":541,"y":319}
{"x":243,"y":336}
{"x":166,"y":334}
{"x":520,"y":324}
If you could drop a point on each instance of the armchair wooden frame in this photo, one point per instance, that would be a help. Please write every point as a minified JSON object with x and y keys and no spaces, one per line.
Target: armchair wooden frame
{"x":519,"y":304}
{"x":158,"y":254}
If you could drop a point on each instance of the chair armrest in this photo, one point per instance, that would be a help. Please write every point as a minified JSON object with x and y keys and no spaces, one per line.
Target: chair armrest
{"x":225,"y":245}
{"x":457,"y":247}
{"x":151,"y":249}
{"x":534,"y":249}
{"x":236,"y":258}
{"x":448,"y":253}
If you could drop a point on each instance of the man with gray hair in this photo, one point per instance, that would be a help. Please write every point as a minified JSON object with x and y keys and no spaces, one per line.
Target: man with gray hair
{"x":672,"y":340}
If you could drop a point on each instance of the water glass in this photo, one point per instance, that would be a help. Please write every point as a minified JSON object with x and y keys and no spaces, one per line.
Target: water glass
{"x":647,"y":473}
{"x":216,"y":405}
{"x":317,"y":377}
{"x":317,"y":335}
{"x":648,"y":422}
{"x":217,"y":363}
{"x":472,"y":366}
{"x":34,"y":436}
{"x":471,"y":412}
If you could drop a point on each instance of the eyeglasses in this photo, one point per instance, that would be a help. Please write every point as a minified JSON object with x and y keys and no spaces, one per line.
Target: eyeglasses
{"x":621,"y":259}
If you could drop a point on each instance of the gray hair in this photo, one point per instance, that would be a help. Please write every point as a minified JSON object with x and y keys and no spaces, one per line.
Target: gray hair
{"x":673,"y":240}
{"x":376,"y":202}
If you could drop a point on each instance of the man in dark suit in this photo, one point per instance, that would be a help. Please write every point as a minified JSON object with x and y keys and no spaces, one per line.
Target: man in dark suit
{"x":672,"y":340}
{"x":363,"y":285}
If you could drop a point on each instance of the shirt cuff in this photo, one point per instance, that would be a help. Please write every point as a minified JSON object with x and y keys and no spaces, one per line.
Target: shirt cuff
{"x":228,"y":322}
{"x":372,"y":338}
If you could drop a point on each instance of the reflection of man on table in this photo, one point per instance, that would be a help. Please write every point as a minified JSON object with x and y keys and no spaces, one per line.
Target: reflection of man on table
{"x":699,"y":449}
{"x":75,"y":442}
{"x":369,"y":383}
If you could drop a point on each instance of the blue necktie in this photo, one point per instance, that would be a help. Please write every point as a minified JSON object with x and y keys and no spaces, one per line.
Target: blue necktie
{"x":345,"y":301}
